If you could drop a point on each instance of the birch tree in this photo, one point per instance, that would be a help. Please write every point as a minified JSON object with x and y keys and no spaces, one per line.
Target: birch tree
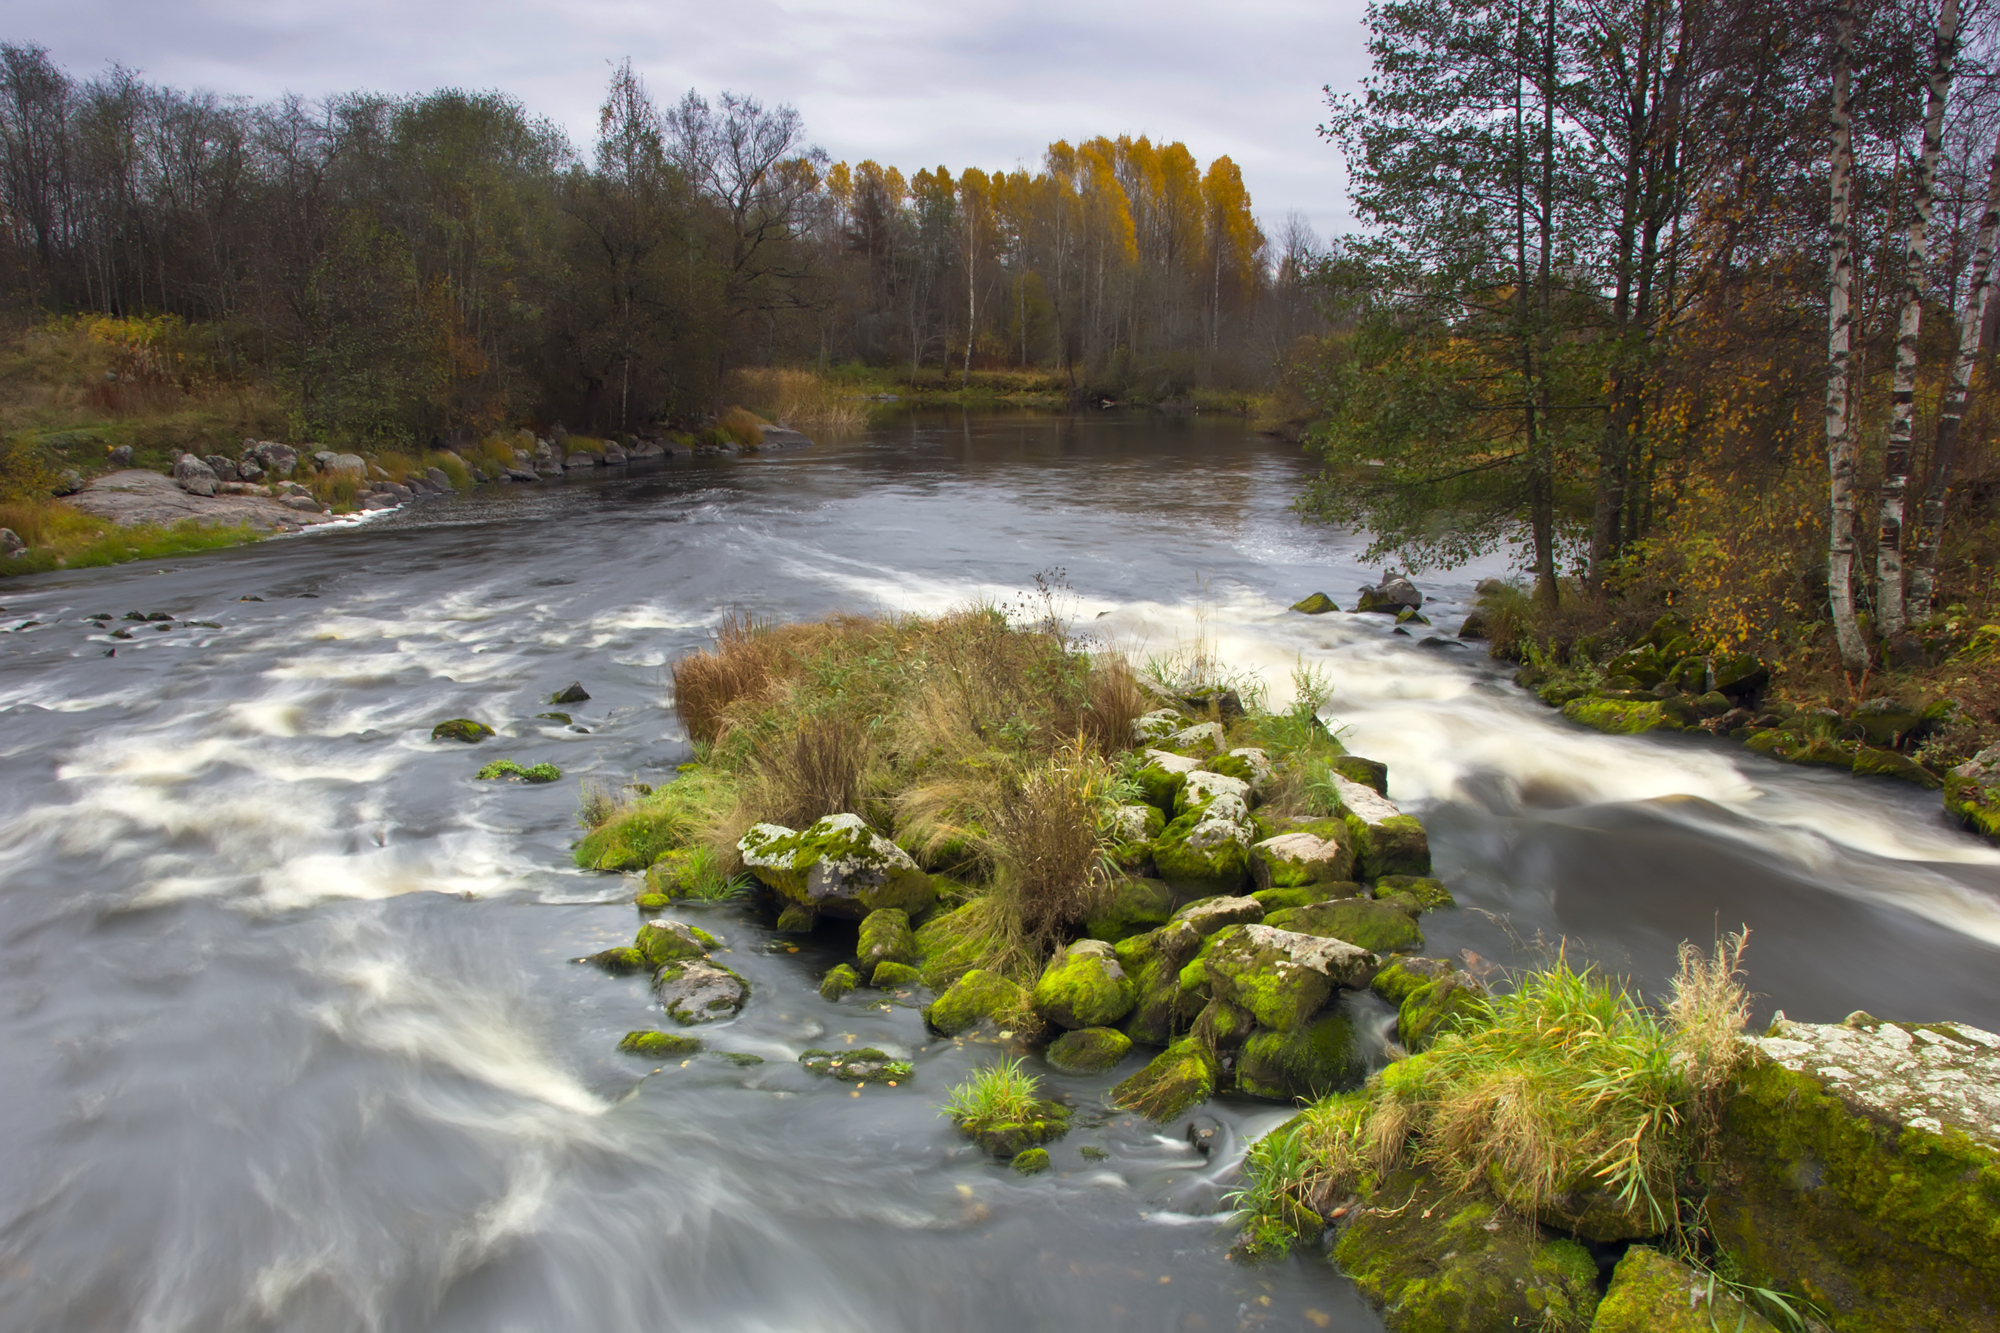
{"x":1840,"y":343}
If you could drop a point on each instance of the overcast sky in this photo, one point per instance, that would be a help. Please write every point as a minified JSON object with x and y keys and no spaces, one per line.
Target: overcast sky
{"x":985,"y":84}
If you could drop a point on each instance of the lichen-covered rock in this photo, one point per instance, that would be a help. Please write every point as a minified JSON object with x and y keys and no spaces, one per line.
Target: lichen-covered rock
{"x":1177,"y":1078}
{"x":895,"y":976}
{"x":1203,"y":790}
{"x":1620,"y":717}
{"x":698,"y":991}
{"x":665,"y":941}
{"x":1156,"y":725}
{"x":1280,"y":976}
{"x":1161,"y":778}
{"x":1030,"y":1161}
{"x":1321,"y":1055}
{"x":1429,"y":895}
{"x":1137,"y":823}
{"x":461,"y":729}
{"x":978,"y":996}
{"x":1861,"y":1165}
{"x":1291,"y":860}
{"x":1084,"y":987}
{"x":1381,"y":927}
{"x":1154,"y":962}
{"x":1208,"y":915}
{"x":1277,"y":900}
{"x":1204,"y":849}
{"x":1130,"y":907}
{"x":839,"y":867}
{"x":1437,"y":1007}
{"x":1885,"y":721}
{"x":1249,"y":764}
{"x":1393,"y":594}
{"x":862,"y":1064}
{"x":1088,"y":1050}
{"x":1440,"y":1262}
{"x":1222,"y":1026}
{"x":838,"y":981}
{"x":1651,"y":1293}
{"x":885,"y":938}
{"x":659,"y":1045}
{"x":1369,"y":773}
{"x":1400,"y":976}
{"x":1202,"y":738}
{"x":1972,"y":793}
{"x":1386,"y":841}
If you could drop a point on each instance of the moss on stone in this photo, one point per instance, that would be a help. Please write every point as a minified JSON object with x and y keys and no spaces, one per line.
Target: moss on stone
{"x":838,"y":981}
{"x":895,"y":976}
{"x":1180,"y":1077}
{"x":1437,"y":1007}
{"x":1368,"y":772}
{"x":461,"y":729}
{"x":1088,"y":1050}
{"x":1304,"y":895}
{"x":839,"y":867}
{"x":659,"y":1045}
{"x":1160,"y":785}
{"x":1203,"y":850}
{"x":1084,"y":987}
{"x":1154,"y":962}
{"x":1873,"y":763}
{"x":1430,"y":895}
{"x":1223,"y":1025}
{"x":885,"y":937}
{"x":862,"y":1064}
{"x":668,"y":942}
{"x":621,"y":960}
{"x":796,"y":919}
{"x":1030,"y":1161}
{"x":507,"y":768}
{"x":649,"y":903}
{"x":1317,"y":1057}
{"x":700,"y":991}
{"x":1620,"y":717}
{"x":1396,"y":845}
{"x":1379,"y":927}
{"x":1651,"y":1293}
{"x":976,"y":997}
{"x":1400,"y":976}
{"x":741,"y":1059}
{"x":1316,"y":605}
{"x":1131,"y":907}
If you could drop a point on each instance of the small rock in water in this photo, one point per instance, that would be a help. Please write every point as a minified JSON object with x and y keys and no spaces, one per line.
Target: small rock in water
{"x":864,"y":1065}
{"x":461,"y":729}
{"x":574,"y":693}
{"x":1316,"y":605}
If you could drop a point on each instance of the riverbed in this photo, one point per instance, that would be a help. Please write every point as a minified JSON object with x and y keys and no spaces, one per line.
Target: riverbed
{"x":291,"y":1031}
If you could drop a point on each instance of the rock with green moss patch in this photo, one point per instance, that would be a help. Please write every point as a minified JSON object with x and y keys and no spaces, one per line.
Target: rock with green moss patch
{"x":1154,"y":962}
{"x":620,"y":961}
{"x":1369,"y":773}
{"x":1208,"y":915}
{"x":1381,"y":927}
{"x":1180,"y":1077}
{"x":1088,"y":1050}
{"x":1162,"y":776}
{"x":1972,"y":793}
{"x":651,"y":903}
{"x":1030,"y":1161}
{"x":977,"y":997}
{"x":885,"y":937}
{"x":741,"y":1059}
{"x":895,"y":976}
{"x":796,"y":919}
{"x":1156,"y":725}
{"x":509,"y":770}
{"x":1277,"y":900}
{"x":673,"y":872}
{"x":1322,"y":1055}
{"x":1651,"y":1293}
{"x":1137,"y":823}
{"x":659,"y":1045}
{"x":839,"y":867}
{"x":1619,"y":717}
{"x":1281,"y":977}
{"x":1437,"y":1007}
{"x":1316,"y":605}
{"x":698,"y":991}
{"x":1400,"y":976}
{"x":1861,"y":1165}
{"x":1429,"y":895}
{"x":1201,"y":848}
{"x":1204,"y":790}
{"x":461,"y":729}
{"x":1440,"y":1262}
{"x":863,"y":1064}
{"x":1006,"y":1137}
{"x":664,"y":941}
{"x":1873,"y":763}
{"x":1084,"y":987}
{"x":1293,"y":860}
{"x":838,"y":981}
{"x":1386,"y":841}
{"x":1130,"y":907}
{"x":1222,"y":1026}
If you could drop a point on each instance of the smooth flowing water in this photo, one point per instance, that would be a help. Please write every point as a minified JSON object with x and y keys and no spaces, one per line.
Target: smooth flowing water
{"x":292,"y":1038}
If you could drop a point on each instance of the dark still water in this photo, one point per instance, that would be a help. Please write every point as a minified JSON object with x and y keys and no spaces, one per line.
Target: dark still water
{"x":289,"y":1033}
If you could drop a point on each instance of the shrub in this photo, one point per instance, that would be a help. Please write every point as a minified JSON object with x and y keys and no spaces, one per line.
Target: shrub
{"x":743,"y":427}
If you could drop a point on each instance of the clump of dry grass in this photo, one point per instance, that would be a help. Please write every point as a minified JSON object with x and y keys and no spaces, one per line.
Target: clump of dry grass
{"x":1047,"y":857}
{"x":747,"y":663}
{"x":817,"y":766}
{"x":799,"y":399}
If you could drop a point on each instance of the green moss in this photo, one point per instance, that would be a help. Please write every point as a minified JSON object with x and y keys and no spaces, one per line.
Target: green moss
{"x":839,"y":866}
{"x":1196,"y":850}
{"x":1309,"y":1061}
{"x":1316,"y":605}
{"x":649,"y":903}
{"x":1030,"y":1161}
{"x":1180,"y":1077}
{"x":838,"y":982}
{"x":1397,"y":845}
{"x":1975,"y":807}
{"x":741,"y":1059}
{"x":626,"y":959}
{"x":1222,"y":1025}
{"x":1154,"y":962}
{"x":1304,"y":895}
{"x":659,"y":1045}
{"x":1130,"y":907}
{"x":864,"y":1064}
{"x":1088,"y":1050}
{"x":1379,"y":927}
{"x":895,"y":976}
{"x":977,"y":996}
{"x":1401,"y":976}
{"x":668,"y":942}
{"x":507,"y":768}
{"x":1430,"y":895}
{"x":796,"y":919}
{"x":1368,"y":772}
{"x":1651,"y":1293}
{"x":885,"y":938}
{"x":1084,"y":987}
{"x":1620,"y":717}
{"x":461,"y":729}
{"x":1160,"y":786}
{"x":1233,"y":766}
{"x":1874,"y":763}
{"x":1438,"y":1007}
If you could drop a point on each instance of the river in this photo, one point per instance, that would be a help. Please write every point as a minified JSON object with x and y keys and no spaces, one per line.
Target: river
{"x":290,"y":1031}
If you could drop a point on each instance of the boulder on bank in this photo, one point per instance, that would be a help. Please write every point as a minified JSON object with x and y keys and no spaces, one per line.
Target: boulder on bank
{"x":885,"y":938}
{"x":1629,"y":717}
{"x":1205,"y":916}
{"x":977,"y":997}
{"x":1380,"y":926}
{"x":1972,"y":793}
{"x":1299,"y":858}
{"x":1180,"y":1077}
{"x":1205,"y":847}
{"x":1154,"y":962}
{"x":1084,"y":987}
{"x":839,"y":867}
{"x":1157,"y":725}
{"x":194,"y":476}
{"x":1386,"y":841}
{"x":1131,"y":907}
{"x":1321,"y":1055}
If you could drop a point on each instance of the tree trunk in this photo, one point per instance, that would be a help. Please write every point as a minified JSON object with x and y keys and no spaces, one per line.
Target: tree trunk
{"x":1840,"y":341}
{"x":1971,"y":323}
{"x":1889,"y":610}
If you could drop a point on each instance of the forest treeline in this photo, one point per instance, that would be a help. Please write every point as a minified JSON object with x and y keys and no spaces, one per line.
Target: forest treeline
{"x":1687,"y":298}
{"x":403,"y":268}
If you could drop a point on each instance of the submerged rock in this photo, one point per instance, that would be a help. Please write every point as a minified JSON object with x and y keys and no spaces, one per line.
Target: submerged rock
{"x":659,"y":1045}
{"x":839,"y":866}
{"x":838,"y":981}
{"x":699,"y":991}
{"x":1088,"y":1050}
{"x":860,"y":1065}
{"x":1321,"y":1055}
{"x":1084,"y":987}
{"x":1316,"y":605}
{"x":1030,"y":1161}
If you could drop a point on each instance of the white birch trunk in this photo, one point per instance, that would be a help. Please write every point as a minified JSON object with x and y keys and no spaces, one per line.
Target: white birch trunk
{"x":1840,"y":343}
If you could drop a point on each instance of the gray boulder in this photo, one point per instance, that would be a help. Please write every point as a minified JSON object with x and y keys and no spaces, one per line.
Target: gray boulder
{"x":222,"y":466}
{"x":698,"y":991}
{"x":1392,"y":594}
{"x":11,"y":543}
{"x":581,"y":459}
{"x":120,"y":457}
{"x":194,"y":476}
{"x":68,"y":483}
{"x":839,"y":866}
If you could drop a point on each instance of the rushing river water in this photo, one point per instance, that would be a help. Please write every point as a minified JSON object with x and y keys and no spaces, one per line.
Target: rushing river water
{"x":290,"y":1032}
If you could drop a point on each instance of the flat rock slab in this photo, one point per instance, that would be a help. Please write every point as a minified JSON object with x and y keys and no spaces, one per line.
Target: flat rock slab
{"x":1923,"y":1075}
{"x":135,"y":496}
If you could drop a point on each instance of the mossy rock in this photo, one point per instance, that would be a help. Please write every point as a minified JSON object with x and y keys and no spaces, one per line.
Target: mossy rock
{"x":839,"y":867}
{"x":863,"y":1064}
{"x":669,"y":941}
{"x":659,"y":1045}
{"x":1200,"y":850}
{"x":1208,"y":915}
{"x":1620,"y":717}
{"x":1157,"y":725}
{"x":1154,"y":962}
{"x":1030,"y":1161}
{"x":1223,"y":1026}
{"x":838,"y":981}
{"x":1046,"y":1122}
{"x":885,"y":937}
{"x":1130,"y":907}
{"x":1740,"y":675}
{"x":1160,"y":781}
{"x":1222,"y":795}
{"x":1277,"y":900}
{"x":1298,"y":858}
{"x":1440,"y":1262}
{"x":621,"y":960}
{"x":1379,"y":927}
{"x":1083,"y":986}
{"x":698,"y":991}
{"x":1872,"y":763}
{"x":651,"y":903}
{"x":1430,"y":895}
{"x":1396,"y":845}
{"x":1651,"y":1293}
{"x":508,"y":770}
{"x":1316,"y":605}
{"x":1368,"y":772}
{"x":1311,"y":1060}
{"x":671,"y":875}
{"x":978,"y":996}
{"x":461,"y":729}
{"x":1282,"y":977}
{"x":1088,"y":1050}
{"x":1399,"y":977}
{"x":895,"y":976}
{"x":1178,"y":1078}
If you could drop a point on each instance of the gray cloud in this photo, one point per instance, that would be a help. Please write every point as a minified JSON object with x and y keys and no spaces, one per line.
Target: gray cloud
{"x":914,"y":84}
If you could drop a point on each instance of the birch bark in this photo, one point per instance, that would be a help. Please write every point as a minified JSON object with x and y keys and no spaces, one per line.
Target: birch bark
{"x":1840,"y":343}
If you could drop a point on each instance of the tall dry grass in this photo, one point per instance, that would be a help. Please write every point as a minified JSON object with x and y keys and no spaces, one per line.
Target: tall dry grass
{"x":799,"y":399}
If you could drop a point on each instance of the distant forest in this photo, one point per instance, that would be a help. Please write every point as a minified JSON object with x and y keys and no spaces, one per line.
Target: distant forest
{"x":405,"y":268}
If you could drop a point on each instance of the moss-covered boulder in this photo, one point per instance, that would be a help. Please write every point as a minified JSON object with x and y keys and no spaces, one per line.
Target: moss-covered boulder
{"x":620,"y":961}
{"x":1178,"y":1078}
{"x":1739,"y":675}
{"x":672,"y":873}
{"x":839,"y":867}
{"x":1316,"y":605}
{"x":1277,"y":900}
{"x":1030,"y":1162}
{"x":1222,"y":1026}
{"x":510,"y":771}
{"x":632,"y":840}
{"x":1620,"y":717}
{"x":1972,"y":793}
{"x":1861,"y":1166}
{"x":1130,"y":907}
{"x":838,"y":981}
{"x":699,"y":991}
{"x":1154,"y":962}
{"x":1386,"y":841}
{"x":1873,"y":763}
{"x":895,"y":976}
{"x":1137,"y":823}
{"x":1378,"y":926}
{"x":1400,"y":976}
{"x":1429,"y":895}
{"x":461,"y":729}
{"x":1322,"y":1055}
{"x":659,"y":1045}
{"x":1084,"y":987}
{"x":1291,"y":860}
{"x":665,"y":941}
{"x":885,"y":938}
{"x":1006,"y":1137}
{"x":796,"y":919}
{"x":1438,"y":1007}
{"x":1282,"y":977}
{"x":863,"y":1064}
{"x":1208,"y":915}
{"x":978,"y":996}
{"x":1203,"y":738}
{"x":1156,"y":725}
{"x":1248,"y":764}
{"x":1205,"y":850}
{"x":1162,"y":776}
{"x":1202,"y":790}
{"x":1088,"y":1050}
{"x":1369,"y":773}
{"x":1440,"y":1262}
{"x":1651,"y":1293}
